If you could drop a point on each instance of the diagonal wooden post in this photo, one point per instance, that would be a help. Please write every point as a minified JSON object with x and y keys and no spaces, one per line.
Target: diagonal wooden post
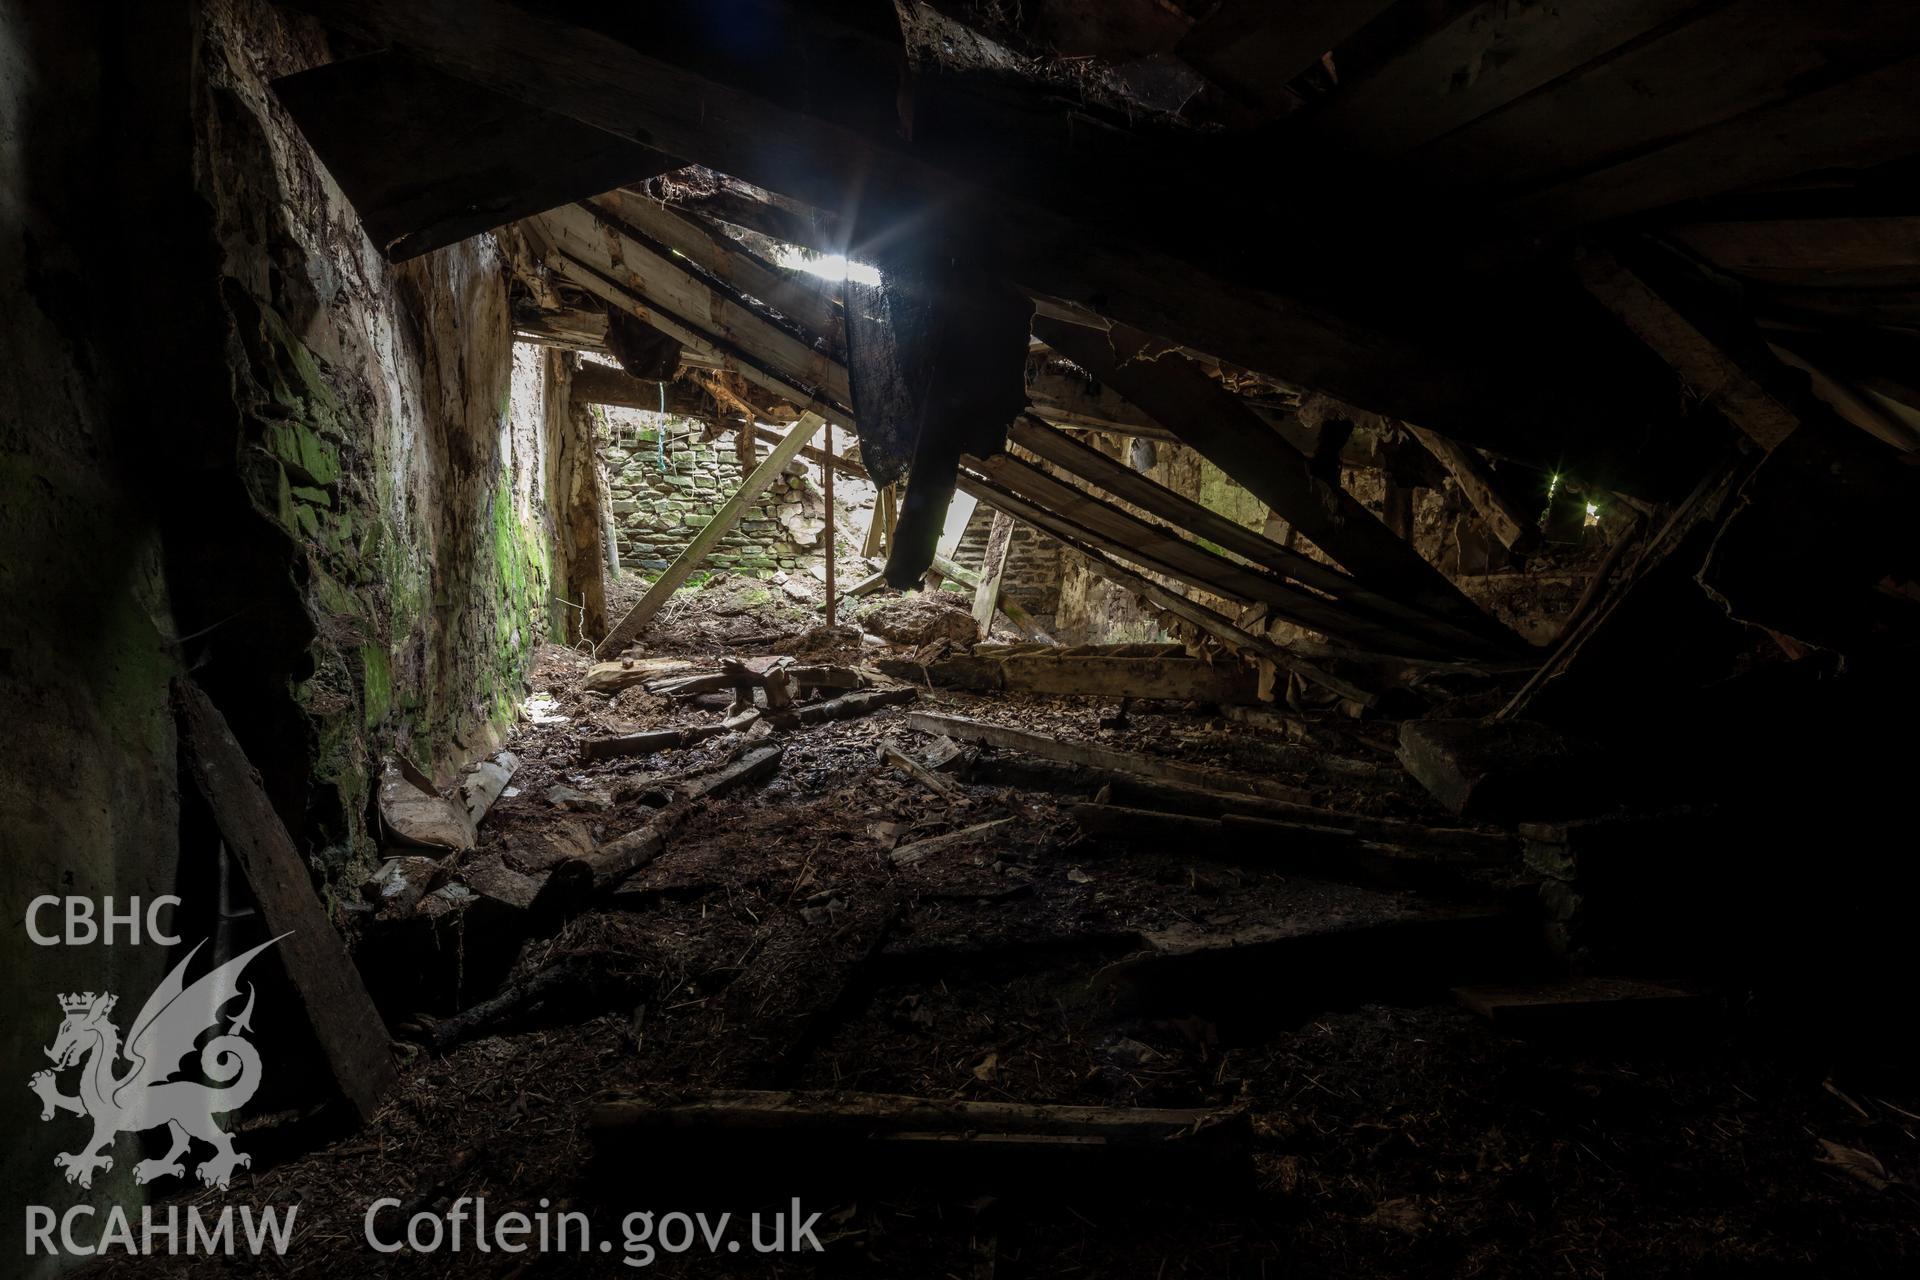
{"x":993,"y":567}
{"x":723,"y":520}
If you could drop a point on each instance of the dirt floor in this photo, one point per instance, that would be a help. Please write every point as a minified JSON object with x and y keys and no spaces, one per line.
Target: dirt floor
{"x":774,"y":945}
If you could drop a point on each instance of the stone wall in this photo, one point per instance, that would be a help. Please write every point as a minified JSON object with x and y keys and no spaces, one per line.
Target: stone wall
{"x":88,"y":760}
{"x":1034,"y":565}
{"x":400,"y":544}
{"x":668,"y":478}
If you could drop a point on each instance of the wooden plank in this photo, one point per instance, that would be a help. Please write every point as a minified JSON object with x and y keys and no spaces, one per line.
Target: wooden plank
{"x":427,"y":159}
{"x":1708,"y":371}
{"x":993,"y":568}
{"x":352,"y":1036}
{"x":1214,"y":624}
{"x":1489,"y":55}
{"x":1724,"y":61}
{"x":961,"y":729}
{"x":1118,"y":532}
{"x":1869,"y":120}
{"x":1177,"y":392}
{"x":703,"y":542}
{"x":809,"y":301}
{"x":1516,"y":530}
{"x":594,"y":239}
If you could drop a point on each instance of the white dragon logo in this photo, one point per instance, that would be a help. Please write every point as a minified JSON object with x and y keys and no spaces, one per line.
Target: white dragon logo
{"x":173,"y":1018}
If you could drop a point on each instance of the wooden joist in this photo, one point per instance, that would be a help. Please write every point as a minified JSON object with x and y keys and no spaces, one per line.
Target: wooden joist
{"x":891,"y":1140}
{"x":961,"y":729}
{"x":1218,"y":626}
{"x":1709,"y":371}
{"x":820,"y":123}
{"x":1426,"y":90}
{"x":351,"y":1034}
{"x":1114,"y":476}
{"x":690,"y":308}
{"x":1120,"y":533}
{"x":1177,"y":392}
{"x":993,"y":570}
{"x":1296,"y":848}
{"x":1464,"y":845}
{"x":703,"y":542}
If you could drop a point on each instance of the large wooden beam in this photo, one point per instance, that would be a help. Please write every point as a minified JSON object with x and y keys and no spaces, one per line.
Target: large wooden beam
{"x":1175,"y":391}
{"x":703,"y":542}
{"x":427,"y":159}
{"x":1709,"y":371}
{"x":352,"y":1036}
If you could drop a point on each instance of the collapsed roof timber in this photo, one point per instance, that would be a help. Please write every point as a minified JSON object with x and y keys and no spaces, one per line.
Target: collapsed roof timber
{"x":942,"y":604}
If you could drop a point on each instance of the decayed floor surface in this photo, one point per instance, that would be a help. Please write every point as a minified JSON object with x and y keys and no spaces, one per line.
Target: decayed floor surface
{"x":774,"y":945}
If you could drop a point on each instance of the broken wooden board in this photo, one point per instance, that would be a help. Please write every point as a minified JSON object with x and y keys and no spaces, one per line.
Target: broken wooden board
{"x":352,"y":1036}
{"x":421,"y":818}
{"x":480,"y":790}
{"x":1223,"y":629}
{"x":1180,"y":679}
{"x":894,"y":1140}
{"x":1086,"y":753}
{"x":624,"y":673}
{"x":920,"y":850}
{"x":1606,"y":1008}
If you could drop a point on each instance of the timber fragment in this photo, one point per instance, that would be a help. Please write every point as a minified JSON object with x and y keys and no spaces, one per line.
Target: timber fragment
{"x":352,"y":1036}
{"x":908,"y":854}
{"x":890,"y":1139}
